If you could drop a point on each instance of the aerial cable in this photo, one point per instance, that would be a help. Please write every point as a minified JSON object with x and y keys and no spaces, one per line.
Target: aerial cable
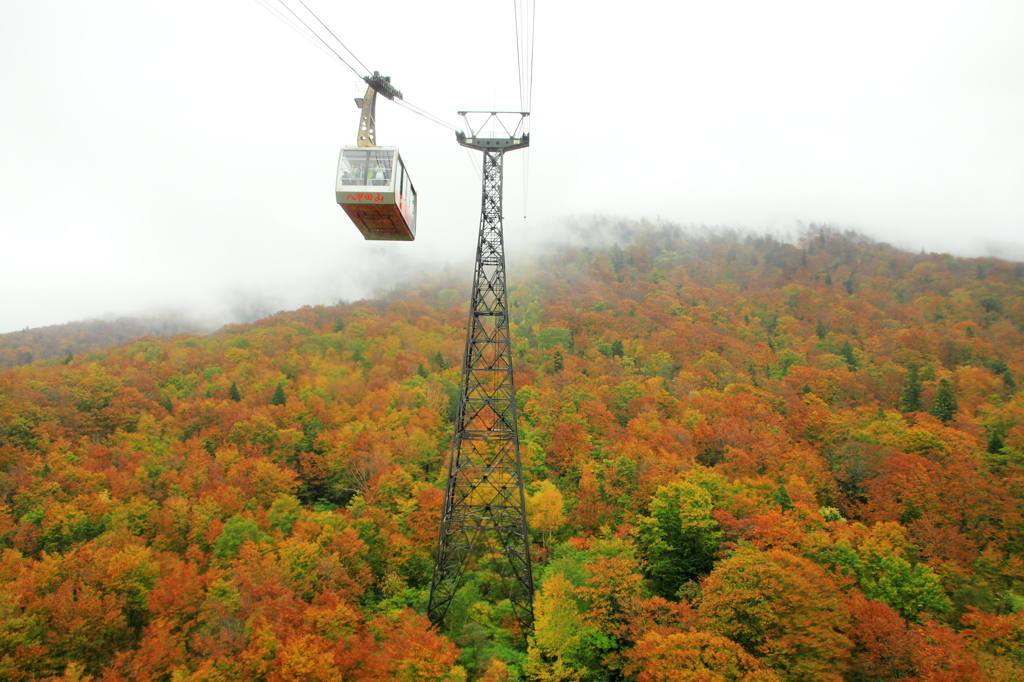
{"x":308,"y":28}
{"x":472,"y":164}
{"x":291,"y":24}
{"x":525,"y":15}
{"x":330,"y":52}
{"x":365,"y":67}
{"x":427,"y":115}
{"x":533,"y":42}
{"x":519,"y":55}
{"x":309,"y":34}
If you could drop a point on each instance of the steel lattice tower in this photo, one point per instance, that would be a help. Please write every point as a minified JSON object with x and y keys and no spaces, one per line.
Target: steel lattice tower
{"x":484,"y":514}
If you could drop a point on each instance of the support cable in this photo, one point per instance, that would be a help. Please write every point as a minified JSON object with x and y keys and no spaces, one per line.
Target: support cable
{"x":308,"y":28}
{"x":519,"y":55}
{"x":529,"y":104}
{"x":472,"y":163}
{"x":525,"y":15}
{"x":523,"y":47}
{"x":309,"y":34}
{"x":427,"y":115}
{"x":291,"y":24}
{"x":365,"y":67}
{"x":533,"y":42}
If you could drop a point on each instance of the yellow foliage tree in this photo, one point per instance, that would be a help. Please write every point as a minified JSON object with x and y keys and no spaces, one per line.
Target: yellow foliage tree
{"x":545,"y":510}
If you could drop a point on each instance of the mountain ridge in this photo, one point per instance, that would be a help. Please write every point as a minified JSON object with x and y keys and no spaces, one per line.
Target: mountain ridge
{"x":801,"y":461}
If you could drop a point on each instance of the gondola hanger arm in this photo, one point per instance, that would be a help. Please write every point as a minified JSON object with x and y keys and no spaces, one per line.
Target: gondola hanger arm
{"x":367,"y":136}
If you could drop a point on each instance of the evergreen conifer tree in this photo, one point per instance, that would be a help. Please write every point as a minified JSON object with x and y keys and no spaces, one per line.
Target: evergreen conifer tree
{"x":847,"y":352}
{"x":617,"y":349}
{"x":781,"y":497}
{"x":910,"y":396}
{"x":945,"y":406}
{"x":233,"y":392}
{"x":558,"y":363}
{"x":618,"y":258}
{"x":995,"y":443}
{"x":279,"y":397}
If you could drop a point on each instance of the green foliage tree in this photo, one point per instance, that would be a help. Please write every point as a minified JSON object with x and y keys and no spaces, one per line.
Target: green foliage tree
{"x":911,"y":589}
{"x":564,"y":646}
{"x":884,"y":573}
{"x":284,"y":512}
{"x":550,"y":337}
{"x":679,"y":537}
{"x":234,"y":393}
{"x":945,"y":405}
{"x":617,"y":348}
{"x":1008,"y":381}
{"x":618,"y":258}
{"x":279,"y":397}
{"x":847,"y":354}
{"x":236,"y":532}
{"x":781,"y":497}
{"x":439,"y":360}
{"x":910,"y":396}
{"x":995,"y":442}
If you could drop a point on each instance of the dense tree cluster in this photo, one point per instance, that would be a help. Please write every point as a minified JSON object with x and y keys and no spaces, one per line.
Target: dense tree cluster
{"x":745,"y":460}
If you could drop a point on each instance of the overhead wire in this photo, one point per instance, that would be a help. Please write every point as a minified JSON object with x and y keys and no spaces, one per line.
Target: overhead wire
{"x":319,"y":37}
{"x":529,"y":101}
{"x":525,"y":15}
{"x":524,"y":47}
{"x":365,"y":67}
{"x":309,"y":34}
{"x":519,"y":55}
{"x":533,"y":43}
{"x":290,"y":24}
{"x":427,"y":115}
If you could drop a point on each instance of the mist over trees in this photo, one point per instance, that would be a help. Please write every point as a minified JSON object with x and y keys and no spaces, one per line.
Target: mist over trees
{"x":77,"y":338}
{"x":745,"y":460}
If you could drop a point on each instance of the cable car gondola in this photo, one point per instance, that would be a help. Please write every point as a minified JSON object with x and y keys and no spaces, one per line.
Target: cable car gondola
{"x":373,"y":185}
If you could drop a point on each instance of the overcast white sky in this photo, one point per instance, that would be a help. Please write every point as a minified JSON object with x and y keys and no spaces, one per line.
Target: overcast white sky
{"x":181,"y":155}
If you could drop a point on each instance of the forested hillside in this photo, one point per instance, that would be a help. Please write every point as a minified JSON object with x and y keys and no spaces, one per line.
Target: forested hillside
{"x":745,"y":460}
{"x":68,"y":340}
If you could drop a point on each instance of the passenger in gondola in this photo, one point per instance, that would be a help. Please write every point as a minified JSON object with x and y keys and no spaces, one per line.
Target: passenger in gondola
{"x":359,"y":175}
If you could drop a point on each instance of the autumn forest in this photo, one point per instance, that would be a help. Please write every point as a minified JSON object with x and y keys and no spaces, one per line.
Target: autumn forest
{"x":745,"y":460}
